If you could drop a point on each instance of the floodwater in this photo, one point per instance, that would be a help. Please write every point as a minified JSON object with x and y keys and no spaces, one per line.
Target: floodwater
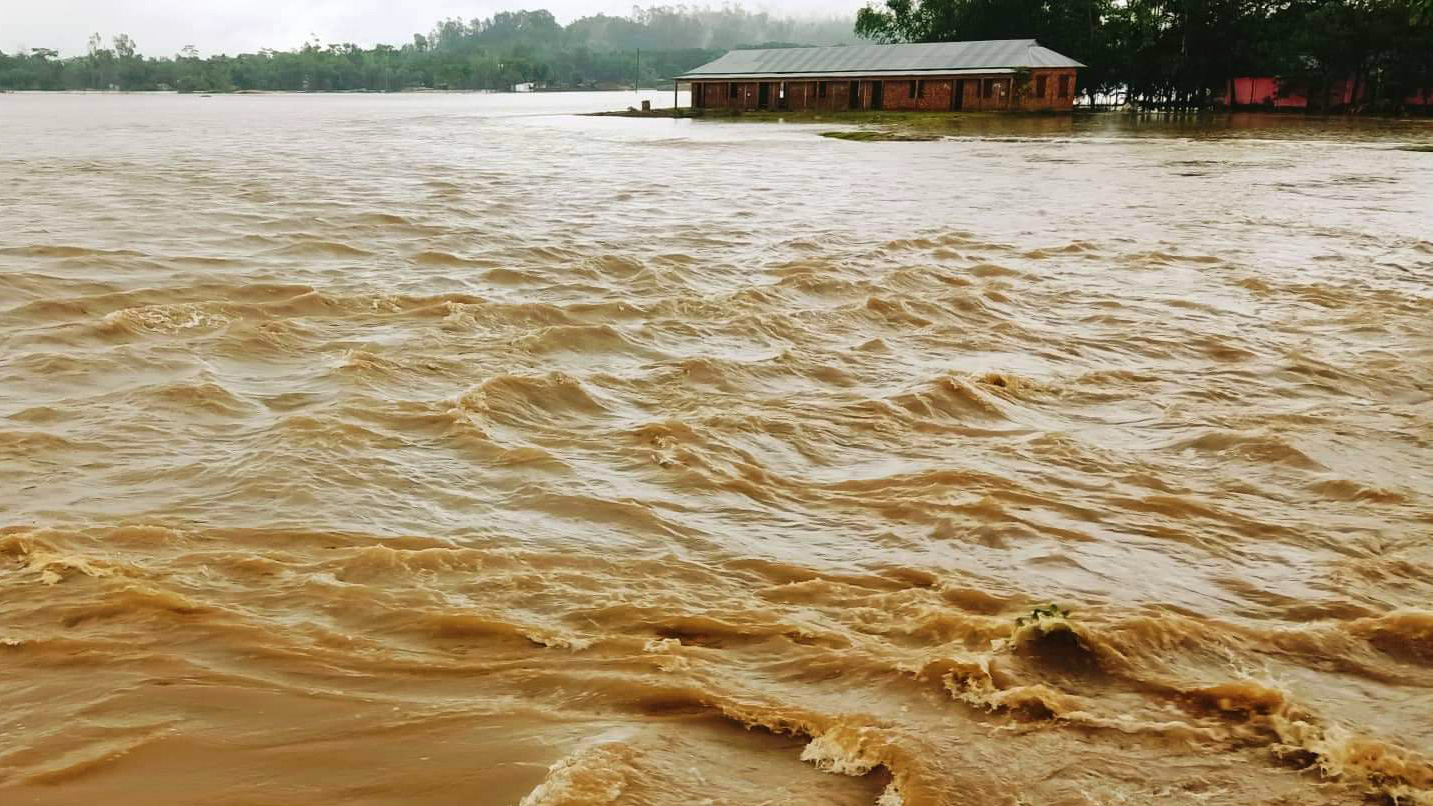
{"x":447,"y":449}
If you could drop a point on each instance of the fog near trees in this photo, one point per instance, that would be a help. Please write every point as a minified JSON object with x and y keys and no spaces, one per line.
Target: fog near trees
{"x":497,"y":52}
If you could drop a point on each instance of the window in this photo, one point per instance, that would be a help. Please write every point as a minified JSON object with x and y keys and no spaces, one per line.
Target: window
{"x":731,"y":90}
{"x":820,"y":89}
{"x":1064,"y":86}
{"x":989,"y":88}
{"x":1041,"y":85}
{"x":915,"y":89}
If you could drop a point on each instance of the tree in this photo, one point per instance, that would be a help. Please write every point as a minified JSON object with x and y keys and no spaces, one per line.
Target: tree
{"x":1076,"y":28}
{"x":124,"y":46}
{"x":1185,"y":53}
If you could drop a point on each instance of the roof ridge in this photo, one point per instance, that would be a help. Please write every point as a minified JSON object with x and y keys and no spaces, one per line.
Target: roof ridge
{"x":887,"y":58}
{"x":1027,"y":40}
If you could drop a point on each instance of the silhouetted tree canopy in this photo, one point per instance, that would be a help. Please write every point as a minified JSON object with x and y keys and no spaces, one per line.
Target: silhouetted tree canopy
{"x":1183,"y":52}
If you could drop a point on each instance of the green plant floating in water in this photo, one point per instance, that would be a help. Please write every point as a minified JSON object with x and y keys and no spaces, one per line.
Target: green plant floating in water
{"x":869,"y":136}
{"x":1050,"y":611}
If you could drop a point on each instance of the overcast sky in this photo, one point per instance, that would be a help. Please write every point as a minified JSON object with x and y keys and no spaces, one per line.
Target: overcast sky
{"x":162,"y":27}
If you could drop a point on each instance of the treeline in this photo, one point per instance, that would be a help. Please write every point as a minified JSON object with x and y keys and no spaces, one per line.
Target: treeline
{"x":496,"y":53}
{"x":1162,"y":53}
{"x":1184,"y":53}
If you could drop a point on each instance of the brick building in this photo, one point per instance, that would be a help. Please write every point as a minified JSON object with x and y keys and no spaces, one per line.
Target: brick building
{"x":1005,"y":74}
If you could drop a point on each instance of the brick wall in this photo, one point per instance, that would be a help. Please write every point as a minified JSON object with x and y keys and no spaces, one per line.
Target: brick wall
{"x":800,"y":95}
{"x":923,"y":94}
{"x":987,"y":93}
{"x":938,"y":94}
{"x":1051,"y":99}
{"x":718,"y":95}
{"x":805,"y":96}
{"x":978,"y":93}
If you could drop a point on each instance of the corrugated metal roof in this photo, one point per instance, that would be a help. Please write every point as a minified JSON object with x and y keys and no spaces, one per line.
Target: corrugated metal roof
{"x":982,"y":71}
{"x":873,"y":59}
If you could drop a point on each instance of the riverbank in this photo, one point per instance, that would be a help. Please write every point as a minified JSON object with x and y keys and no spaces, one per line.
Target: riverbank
{"x":876,"y":125}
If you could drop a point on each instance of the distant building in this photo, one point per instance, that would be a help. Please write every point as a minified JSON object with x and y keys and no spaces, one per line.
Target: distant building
{"x":1269,"y":92}
{"x":1005,"y":74}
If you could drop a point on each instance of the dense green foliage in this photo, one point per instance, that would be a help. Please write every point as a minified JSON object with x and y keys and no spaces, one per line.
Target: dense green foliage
{"x":1183,"y":53}
{"x":495,"y":53}
{"x":1172,"y":53}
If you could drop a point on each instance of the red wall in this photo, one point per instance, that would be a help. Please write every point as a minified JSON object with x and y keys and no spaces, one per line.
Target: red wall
{"x":1265,"y":91}
{"x":1262,"y":92}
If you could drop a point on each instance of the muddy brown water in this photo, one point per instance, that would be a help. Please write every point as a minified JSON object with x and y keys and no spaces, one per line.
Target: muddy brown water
{"x":450,"y":449}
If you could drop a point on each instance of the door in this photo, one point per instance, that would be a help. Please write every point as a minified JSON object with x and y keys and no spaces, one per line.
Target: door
{"x":877,"y":94}
{"x":957,"y":95}
{"x":763,"y":96}
{"x":853,"y":95}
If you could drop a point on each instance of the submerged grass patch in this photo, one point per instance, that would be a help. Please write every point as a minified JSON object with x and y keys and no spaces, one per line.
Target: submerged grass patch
{"x":871,"y":136}
{"x":1422,"y":149}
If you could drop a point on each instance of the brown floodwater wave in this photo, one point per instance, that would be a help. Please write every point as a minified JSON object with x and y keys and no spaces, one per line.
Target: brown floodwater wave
{"x":453,"y":449}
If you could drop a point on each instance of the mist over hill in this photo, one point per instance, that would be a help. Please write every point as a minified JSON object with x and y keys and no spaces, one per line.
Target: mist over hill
{"x":497,"y":52}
